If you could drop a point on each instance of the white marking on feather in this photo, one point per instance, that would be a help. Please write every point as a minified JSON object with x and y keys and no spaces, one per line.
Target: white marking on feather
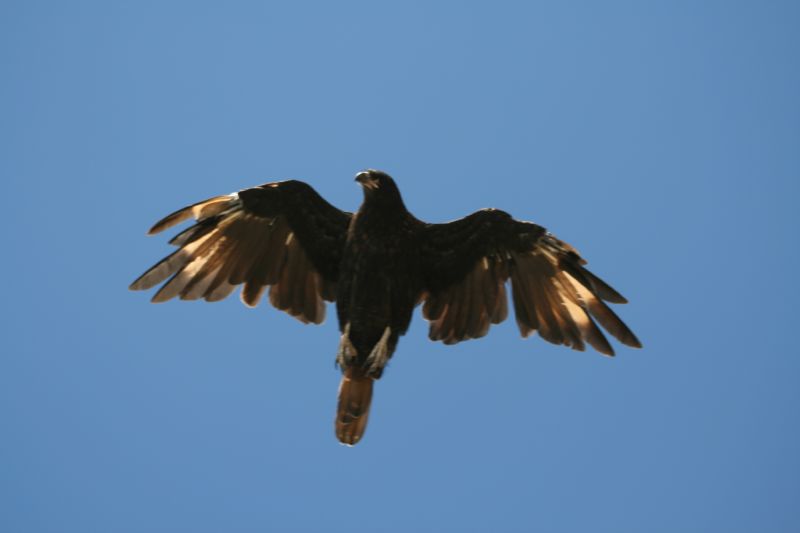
{"x":485,"y":263}
{"x":289,"y":238}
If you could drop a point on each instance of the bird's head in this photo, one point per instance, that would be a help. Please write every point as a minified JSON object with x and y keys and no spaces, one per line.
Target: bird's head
{"x":377,"y":185}
{"x":374,"y":180}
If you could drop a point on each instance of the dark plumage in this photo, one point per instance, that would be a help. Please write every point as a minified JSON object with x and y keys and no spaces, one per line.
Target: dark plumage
{"x":378,"y":264}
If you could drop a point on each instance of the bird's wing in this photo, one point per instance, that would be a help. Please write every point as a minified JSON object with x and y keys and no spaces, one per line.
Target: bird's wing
{"x":282,"y":235}
{"x":466,"y":264}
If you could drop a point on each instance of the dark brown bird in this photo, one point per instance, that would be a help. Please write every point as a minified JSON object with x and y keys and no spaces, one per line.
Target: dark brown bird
{"x":378,"y":265}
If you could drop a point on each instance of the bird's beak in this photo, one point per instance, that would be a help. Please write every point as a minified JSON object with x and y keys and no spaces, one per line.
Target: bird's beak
{"x":367,"y":180}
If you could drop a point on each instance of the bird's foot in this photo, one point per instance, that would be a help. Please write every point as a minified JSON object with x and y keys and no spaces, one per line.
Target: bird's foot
{"x":379,"y":355}
{"x":346,"y":355}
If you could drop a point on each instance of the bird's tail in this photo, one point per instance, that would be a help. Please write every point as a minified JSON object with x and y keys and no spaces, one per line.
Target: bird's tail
{"x":355,"y":396}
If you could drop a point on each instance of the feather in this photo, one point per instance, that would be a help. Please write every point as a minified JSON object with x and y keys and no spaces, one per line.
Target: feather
{"x":604,"y":315}
{"x":209,"y":264}
{"x":175,"y":284}
{"x":589,"y":280}
{"x":198,"y":290}
{"x":266,"y":266}
{"x":602,"y":289}
{"x":463,"y":311}
{"x":500,"y":311}
{"x":448,"y":314}
{"x":530,"y":272}
{"x":311,"y":298}
{"x":434,"y":306}
{"x":328,"y":290}
{"x":254,"y":282}
{"x":299,"y":280}
{"x":526,"y":322}
{"x":434,"y":310}
{"x":200,"y":210}
{"x":220,"y":292}
{"x":251,"y":293}
{"x":235,"y":252}
{"x":170,"y":264}
{"x":280,"y":293}
{"x":194,"y":232}
{"x":252,"y":246}
{"x":478,"y":315}
{"x":577,"y":308}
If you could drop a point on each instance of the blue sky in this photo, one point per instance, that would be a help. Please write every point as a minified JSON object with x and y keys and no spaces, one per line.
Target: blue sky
{"x":662,"y":139}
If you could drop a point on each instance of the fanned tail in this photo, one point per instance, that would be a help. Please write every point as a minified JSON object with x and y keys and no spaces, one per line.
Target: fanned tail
{"x":355,"y":396}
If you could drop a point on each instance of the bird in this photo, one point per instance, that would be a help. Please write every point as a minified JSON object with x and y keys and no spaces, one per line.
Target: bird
{"x":378,"y":264}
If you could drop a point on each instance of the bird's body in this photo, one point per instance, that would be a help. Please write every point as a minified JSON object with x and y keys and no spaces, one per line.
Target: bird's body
{"x":374,"y":305}
{"x":380,"y":276}
{"x":378,"y":265}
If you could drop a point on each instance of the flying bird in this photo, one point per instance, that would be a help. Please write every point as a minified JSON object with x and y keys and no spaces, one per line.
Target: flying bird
{"x":378,"y":264}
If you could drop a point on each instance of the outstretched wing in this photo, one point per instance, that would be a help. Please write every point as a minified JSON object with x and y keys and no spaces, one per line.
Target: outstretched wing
{"x":466,"y":264}
{"x":282,"y":235}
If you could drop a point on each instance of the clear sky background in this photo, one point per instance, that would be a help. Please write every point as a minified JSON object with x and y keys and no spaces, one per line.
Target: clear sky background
{"x":662,"y":139}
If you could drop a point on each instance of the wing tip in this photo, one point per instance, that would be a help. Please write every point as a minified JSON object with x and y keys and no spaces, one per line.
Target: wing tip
{"x":610,"y":353}
{"x":169,"y":221}
{"x":634,"y":342}
{"x":139,"y":284}
{"x":199,"y":210}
